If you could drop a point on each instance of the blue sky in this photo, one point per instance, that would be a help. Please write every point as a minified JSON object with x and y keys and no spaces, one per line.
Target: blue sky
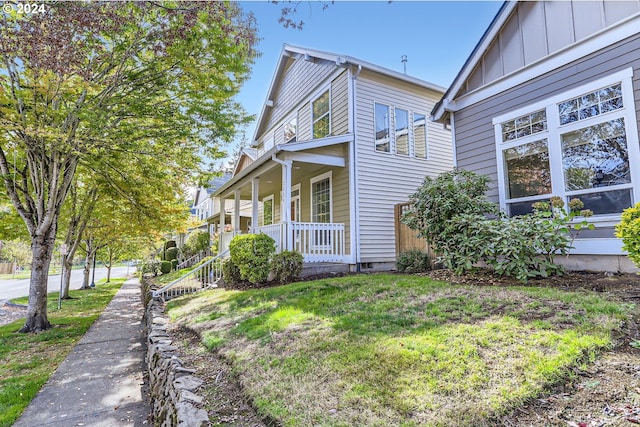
{"x":436,"y":36}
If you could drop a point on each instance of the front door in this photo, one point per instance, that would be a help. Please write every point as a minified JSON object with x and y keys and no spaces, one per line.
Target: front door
{"x":295,"y":212}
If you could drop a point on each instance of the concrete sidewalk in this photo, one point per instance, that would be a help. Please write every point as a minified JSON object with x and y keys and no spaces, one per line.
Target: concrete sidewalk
{"x":101,"y":382}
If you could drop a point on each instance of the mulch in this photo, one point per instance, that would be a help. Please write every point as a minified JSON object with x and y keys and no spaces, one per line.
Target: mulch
{"x":11,"y":312}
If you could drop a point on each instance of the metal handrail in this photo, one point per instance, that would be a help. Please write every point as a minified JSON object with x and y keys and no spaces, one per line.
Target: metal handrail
{"x":195,"y":280}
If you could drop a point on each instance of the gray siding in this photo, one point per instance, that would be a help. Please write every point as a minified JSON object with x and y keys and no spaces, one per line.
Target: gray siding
{"x":536,"y":29}
{"x":385,"y":179}
{"x":475,"y":139}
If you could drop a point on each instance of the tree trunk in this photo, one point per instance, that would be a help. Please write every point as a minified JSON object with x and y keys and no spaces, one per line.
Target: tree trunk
{"x":85,"y":272}
{"x":66,"y":278}
{"x":42,"y":247}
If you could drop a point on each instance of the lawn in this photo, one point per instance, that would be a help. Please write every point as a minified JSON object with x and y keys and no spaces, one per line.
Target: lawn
{"x":393,"y":350}
{"x":27,"y":360}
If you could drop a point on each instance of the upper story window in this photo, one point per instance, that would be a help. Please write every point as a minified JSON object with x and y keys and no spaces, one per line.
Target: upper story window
{"x":583,"y":151}
{"x":591,"y":104}
{"x":402,"y":137}
{"x":321,"y":116}
{"x":526,"y":125}
{"x":382,"y":137}
{"x":291,"y":130}
{"x":420,"y":135}
{"x":402,"y":131}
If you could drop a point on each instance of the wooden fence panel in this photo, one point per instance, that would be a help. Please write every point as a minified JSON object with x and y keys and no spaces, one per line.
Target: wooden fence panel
{"x":407,"y":238}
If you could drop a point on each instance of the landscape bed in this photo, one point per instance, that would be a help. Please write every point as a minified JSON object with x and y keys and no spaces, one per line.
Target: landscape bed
{"x":398,"y":349}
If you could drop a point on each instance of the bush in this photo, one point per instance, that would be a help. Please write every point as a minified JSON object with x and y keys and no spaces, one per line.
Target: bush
{"x":252,"y":254}
{"x":230,"y":272}
{"x":287,"y":266}
{"x":452,"y":213}
{"x":151,"y":266}
{"x":174,"y":264}
{"x":413,"y":261}
{"x":171,"y":253}
{"x":165,"y":267}
{"x":198,"y":241}
{"x":629,"y":231}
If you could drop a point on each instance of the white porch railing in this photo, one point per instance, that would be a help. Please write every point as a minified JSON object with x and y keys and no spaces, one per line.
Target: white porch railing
{"x":319,"y":242}
{"x":204,"y":276}
{"x":275,"y":231}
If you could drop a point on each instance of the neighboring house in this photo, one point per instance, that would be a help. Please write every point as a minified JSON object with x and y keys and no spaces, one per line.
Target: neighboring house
{"x":339,"y":142}
{"x":547,"y":104}
{"x":205,"y":207}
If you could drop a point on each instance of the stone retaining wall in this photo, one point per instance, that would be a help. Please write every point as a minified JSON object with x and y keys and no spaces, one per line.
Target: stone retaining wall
{"x":173,"y":387}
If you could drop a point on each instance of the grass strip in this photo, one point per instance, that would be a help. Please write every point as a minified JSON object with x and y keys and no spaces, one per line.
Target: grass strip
{"x":27,"y":360}
{"x":399,"y":350}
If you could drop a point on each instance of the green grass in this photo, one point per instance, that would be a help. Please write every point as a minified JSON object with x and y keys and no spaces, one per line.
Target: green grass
{"x":27,"y":360}
{"x":398,"y":350}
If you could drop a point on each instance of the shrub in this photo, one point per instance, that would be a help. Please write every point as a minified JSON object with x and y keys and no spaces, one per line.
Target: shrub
{"x":413,"y":261}
{"x":174,"y":264}
{"x":165,"y":267}
{"x":452,"y":213}
{"x":287,"y":266}
{"x":252,"y":254}
{"x":230,"y":272}
{"x":169,"y":244}
{"x":198,"y":241}
{"x":150,"y":266}
{"x":171,"y":253}
{"x":629,"y":231}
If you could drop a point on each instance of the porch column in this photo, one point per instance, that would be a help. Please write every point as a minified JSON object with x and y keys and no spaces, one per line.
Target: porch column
{"x":286,"y":202}
{"x":255,"y":187}
{"x":222,"y":220}
{"x":223,"y":208}
{"x":236,"y":211}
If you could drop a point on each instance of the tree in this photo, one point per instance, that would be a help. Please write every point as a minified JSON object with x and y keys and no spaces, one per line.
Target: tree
{"x":88,"y":82}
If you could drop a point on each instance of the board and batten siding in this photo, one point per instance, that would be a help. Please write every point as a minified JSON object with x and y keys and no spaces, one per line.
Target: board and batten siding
{"x":385,"y":179}
{"x":536,"y":29}
{"x":475,"y":138}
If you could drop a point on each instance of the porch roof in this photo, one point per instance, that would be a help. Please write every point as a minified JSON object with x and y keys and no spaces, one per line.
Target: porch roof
{"x":291,"y":147}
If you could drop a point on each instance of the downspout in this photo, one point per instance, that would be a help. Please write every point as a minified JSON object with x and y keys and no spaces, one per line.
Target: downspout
{"x":353,"y":157}
{"x":452,"y":121}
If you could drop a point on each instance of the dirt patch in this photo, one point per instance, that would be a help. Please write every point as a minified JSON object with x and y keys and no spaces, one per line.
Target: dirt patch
{"x":224,"y":398}
{"x":606,"y":393}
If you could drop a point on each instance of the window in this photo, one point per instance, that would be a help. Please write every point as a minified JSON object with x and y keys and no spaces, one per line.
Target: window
{"x":321,"y":200}
{"x":577,"y":144}
{"x":383,"y":142}
{"x":290,"y":130}
{"x":321,"y":210}
{"x":267,"y":210}
{"x":402,"y":132}
{"x":420,"y":135}
{"x":321,"y":116}
{"x":591,"y":104}
{"x":526,"y":125}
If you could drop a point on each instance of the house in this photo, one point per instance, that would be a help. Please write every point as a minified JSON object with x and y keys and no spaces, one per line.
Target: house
{"x":547,"y":104}
{"x":338,"y":144}
{"x":205,"y":208}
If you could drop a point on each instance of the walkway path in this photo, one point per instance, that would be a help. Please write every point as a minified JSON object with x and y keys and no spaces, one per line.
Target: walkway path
{"x":101,"y":382}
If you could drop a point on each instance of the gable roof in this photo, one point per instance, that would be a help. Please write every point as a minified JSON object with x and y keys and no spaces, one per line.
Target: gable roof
{"x":289,"y":51}
{"x":473,"y":59}
{"x":527,"y":39}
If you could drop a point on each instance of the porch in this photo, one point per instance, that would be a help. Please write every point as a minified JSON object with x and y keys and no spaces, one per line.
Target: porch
{"x":317,"y":242}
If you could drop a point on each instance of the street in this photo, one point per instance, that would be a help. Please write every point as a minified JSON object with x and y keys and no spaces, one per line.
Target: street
{"x":15,"y":288}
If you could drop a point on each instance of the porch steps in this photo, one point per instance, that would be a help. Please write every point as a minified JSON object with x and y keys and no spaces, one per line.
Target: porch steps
{"x":322,"y":268}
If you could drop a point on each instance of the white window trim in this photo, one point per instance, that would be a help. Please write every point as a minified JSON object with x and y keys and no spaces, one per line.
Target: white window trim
{"x":273,"y":214}
{"x":329,"y":113}
{"x":555,"y":130}
{"x":375,"y":141}
{"x":395,"y":136}
{"x":299,"y":197}
{"x":313,"y":181}
{"x":413,"y":137}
